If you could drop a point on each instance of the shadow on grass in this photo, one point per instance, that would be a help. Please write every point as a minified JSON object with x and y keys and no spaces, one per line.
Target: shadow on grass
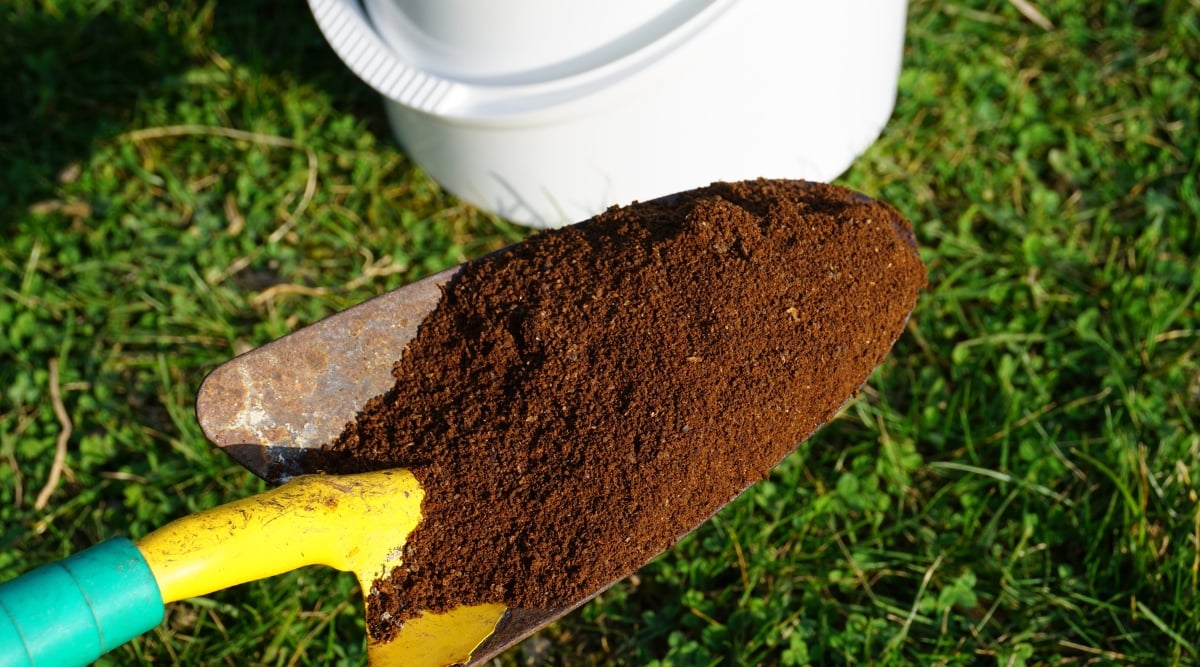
{"x":69,"y":79}
{"x":76,"y":75}
{"x":281,"y":39}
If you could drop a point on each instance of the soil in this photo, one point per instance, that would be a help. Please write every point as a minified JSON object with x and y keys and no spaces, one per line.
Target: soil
{"x":580,"y":401}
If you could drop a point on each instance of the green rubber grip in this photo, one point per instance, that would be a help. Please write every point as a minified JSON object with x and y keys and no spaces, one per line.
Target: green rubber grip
{"x":73,"y":611}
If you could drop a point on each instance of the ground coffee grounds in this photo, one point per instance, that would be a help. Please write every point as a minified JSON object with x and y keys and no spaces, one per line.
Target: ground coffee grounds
{"x":578,"y":402}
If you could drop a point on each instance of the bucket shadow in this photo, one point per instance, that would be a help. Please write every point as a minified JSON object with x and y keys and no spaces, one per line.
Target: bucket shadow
{"x":282,"y":40}
{"x":68,"y":80}
{"x":77,"y":77}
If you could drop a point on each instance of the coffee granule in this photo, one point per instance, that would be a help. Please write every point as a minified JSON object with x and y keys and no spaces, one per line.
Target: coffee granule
{"x":580,"y":401}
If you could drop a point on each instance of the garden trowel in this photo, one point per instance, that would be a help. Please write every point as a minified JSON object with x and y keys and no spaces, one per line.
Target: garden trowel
{"x":269,"y":409}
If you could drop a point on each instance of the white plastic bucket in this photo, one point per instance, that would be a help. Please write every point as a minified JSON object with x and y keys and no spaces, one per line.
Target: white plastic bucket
{"x":546,"y":112}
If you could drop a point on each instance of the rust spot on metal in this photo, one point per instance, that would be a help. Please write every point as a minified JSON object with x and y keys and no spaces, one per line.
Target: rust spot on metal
{"x":298,"y":392}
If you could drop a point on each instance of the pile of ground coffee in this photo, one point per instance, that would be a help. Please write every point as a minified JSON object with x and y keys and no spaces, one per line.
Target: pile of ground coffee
{"x":578,"y":402}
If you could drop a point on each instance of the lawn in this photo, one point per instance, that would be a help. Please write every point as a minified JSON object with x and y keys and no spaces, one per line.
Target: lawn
{"x":1017,"y":485}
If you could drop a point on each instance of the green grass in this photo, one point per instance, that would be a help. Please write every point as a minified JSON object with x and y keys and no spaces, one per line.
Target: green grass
{"x":1018,"y":484}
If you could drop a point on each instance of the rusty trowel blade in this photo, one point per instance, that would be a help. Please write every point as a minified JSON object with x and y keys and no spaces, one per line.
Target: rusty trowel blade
{"x":265,"y":407}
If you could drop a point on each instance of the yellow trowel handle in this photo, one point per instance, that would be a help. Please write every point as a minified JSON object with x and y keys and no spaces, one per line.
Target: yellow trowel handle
{"x":73,"y":611}
{"x":354,"y":523}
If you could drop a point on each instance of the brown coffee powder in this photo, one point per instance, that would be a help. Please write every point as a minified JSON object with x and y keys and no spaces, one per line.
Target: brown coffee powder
{"x":578,"y":402}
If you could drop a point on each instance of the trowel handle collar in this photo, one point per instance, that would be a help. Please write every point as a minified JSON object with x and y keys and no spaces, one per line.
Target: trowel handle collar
{"x":73,"y":611}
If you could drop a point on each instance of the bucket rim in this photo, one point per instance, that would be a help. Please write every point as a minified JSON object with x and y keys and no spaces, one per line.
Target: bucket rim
{"x":349,"y":31}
